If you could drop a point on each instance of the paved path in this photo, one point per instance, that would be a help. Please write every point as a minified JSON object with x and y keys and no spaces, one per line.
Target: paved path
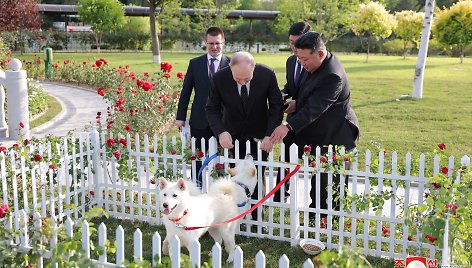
{"x":79,"y":109}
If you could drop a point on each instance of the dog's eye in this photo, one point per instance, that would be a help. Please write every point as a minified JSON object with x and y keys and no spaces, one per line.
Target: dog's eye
{"x":164,"y":194}
{"x":174,"y":195}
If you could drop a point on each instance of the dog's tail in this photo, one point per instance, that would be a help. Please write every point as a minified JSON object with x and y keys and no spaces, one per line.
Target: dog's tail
{"x":223,"y":188}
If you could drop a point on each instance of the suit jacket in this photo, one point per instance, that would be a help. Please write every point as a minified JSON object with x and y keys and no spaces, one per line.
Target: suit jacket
{"x":290,"y":87}
{"x":225,"y":110}
{"x":197,"y":78}
{"x":324,"y":115}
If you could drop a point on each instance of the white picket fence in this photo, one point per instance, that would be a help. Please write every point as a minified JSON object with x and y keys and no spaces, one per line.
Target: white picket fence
{"x":89,"y":177}
{"x":20,"y":221}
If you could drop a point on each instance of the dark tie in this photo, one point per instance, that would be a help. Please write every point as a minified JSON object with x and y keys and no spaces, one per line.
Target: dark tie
{"x":298,"y":73}
{"x":244,"y":96}
{"x":212,"y":66}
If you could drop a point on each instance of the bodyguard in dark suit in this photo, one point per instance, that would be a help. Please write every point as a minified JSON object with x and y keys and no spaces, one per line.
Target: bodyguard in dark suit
{"x":199,"y":73}
{"x":245,"y":103}
{"x":294,"y":71}
{"x":323,"y":110}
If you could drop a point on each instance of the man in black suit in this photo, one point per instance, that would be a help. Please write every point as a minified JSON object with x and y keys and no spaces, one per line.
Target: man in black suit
{"x":323,"y":110}
{"x":294,"y":71}
{"x":245,"y":103}
{"x":199,"y":73}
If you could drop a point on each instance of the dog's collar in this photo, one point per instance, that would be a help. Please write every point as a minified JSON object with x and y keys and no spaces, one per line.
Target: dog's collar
{"x":248,"y":193}
{"x":178,"y":219}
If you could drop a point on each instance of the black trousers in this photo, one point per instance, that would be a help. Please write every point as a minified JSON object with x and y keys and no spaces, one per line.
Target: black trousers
{"x":323,"y":189}
{"x":242,"y":155}
{"x":198,"y":134}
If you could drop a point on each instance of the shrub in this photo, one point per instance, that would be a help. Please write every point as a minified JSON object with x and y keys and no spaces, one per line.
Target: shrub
{"x":395,"y":47}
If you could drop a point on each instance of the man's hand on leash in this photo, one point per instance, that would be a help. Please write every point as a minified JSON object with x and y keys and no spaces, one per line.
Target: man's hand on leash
{"x":225,"y":139}
{"x":279,"y":134}
{"x":266,"y":145}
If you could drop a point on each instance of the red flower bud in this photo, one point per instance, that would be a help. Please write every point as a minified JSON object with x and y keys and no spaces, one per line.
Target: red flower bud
{"x":38,"y":157}
{"x":323,"y":159}
{"x":442,"y":146}
{"x":200,"y":154}
{"x":307,"y":149}
{"x":444,"y":170}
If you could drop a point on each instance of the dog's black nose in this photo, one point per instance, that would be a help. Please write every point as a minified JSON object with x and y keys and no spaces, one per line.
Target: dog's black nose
{"x":165,"y":205}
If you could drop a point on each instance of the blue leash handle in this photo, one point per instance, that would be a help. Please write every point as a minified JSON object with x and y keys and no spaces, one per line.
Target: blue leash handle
{"x":205,"y":163}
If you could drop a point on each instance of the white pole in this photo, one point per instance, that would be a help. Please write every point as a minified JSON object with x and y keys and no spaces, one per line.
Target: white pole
{"x":17,"y":100}
{"x":423,"y":52}
{"x":445,"y":253}
{"x":3,"y":123}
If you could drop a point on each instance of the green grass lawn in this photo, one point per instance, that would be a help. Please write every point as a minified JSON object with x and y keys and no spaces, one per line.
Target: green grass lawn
{"x":417,"y":126}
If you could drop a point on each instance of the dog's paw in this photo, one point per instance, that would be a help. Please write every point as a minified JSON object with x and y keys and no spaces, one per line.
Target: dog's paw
{"x":230,"y":258}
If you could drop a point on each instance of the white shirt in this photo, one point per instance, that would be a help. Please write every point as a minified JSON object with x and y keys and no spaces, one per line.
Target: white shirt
{"x":248,"y":86}
{"x":216,"y":62}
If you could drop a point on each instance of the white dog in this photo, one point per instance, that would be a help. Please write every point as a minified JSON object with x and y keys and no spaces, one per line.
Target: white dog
{"x":225,"y":196}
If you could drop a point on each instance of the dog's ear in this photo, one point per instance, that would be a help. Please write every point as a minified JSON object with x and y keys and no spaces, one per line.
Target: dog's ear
{"x":162,"y":183}
{"x":232,"y":172}
{"x":254,"y":172}
{"x":181,"y":184}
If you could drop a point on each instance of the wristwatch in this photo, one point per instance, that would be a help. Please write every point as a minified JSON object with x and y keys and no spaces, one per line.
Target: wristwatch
{"x":288,"y":126}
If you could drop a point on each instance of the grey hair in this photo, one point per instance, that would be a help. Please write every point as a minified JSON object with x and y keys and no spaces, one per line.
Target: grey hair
{"x":242,"y":57}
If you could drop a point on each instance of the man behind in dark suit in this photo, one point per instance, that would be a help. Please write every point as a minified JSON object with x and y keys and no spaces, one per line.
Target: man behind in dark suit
{"x":245,"y":103}
{"x":323,"y":110}
{"x":294,"y":71}
{"x":199,"y":73}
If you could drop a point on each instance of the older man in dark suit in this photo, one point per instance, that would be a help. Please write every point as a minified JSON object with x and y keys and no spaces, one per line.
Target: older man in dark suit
{"x":245,"y":103}
{"x":323,"y":110}
{"x":199,"y":73}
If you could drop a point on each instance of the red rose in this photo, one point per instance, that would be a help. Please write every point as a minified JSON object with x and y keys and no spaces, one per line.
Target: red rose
{"x":323,"y":159}
{"x":120,"y":101}
{"x":442,"y":146}
{"x":436,"y":185}
{"x":66,"y":62}
{"x":313,"y":164}
{"x":92,"y":193}
{"x":122,"y":141}
{"x":444,"y":170}
{"x":166,"y":67}
{"x":451,"y":206}
{"x":180,"y":75}
{"x":128,"y":128}
{"x":307,"y":149}
{"x":98,"y":63}
{"x":3,"y":149}
{"x":51,"y":166}
{"x":110,"y":142}
{"x":347,"y":158}
{"x":117,"y":154}
{"x":385,"y":230}
{"x":335,"y":158}
{"x":152,"y":181}
{"x":173,"y":152}
{"x":84,"y":63}
{"x":22,"y":125}
{"x":219,"y":166}
{"x":38,"y":157}
{"x":101,"y":92}
{"x":193,"y":158}
{"x":431,"y":238}
{"x":167,"y":75}
{"x":410,"y":238}
{"x":147,"y":86}
{"x":200,"y":154}
{"x":26,"y":142}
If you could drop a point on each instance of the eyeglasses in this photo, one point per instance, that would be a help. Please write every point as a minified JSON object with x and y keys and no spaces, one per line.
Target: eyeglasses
{"x":214,"y":44}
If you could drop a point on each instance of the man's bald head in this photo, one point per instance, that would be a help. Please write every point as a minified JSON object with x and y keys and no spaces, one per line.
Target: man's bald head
{"x":242,"y":67}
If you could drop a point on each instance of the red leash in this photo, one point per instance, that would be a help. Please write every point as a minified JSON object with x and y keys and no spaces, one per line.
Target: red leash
{"x":258,"y":204}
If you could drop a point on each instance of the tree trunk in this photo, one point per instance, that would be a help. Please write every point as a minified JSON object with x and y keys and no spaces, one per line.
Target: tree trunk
{"x":461,"y":49}
{"x":404,"y":49}
{"x":155,"y":39}
{"x":368,"y":50}
{"x":422,"y":53}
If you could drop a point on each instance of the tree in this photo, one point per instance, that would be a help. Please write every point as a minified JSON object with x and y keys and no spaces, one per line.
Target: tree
{"x":409,"y":26}
{"x":19,"y":15}
{"x":329,"y":17}
{"x":102,"y":15}
{"x":372,"y":21}
{"x":423,"y":51}
{"x":453,"y":26}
